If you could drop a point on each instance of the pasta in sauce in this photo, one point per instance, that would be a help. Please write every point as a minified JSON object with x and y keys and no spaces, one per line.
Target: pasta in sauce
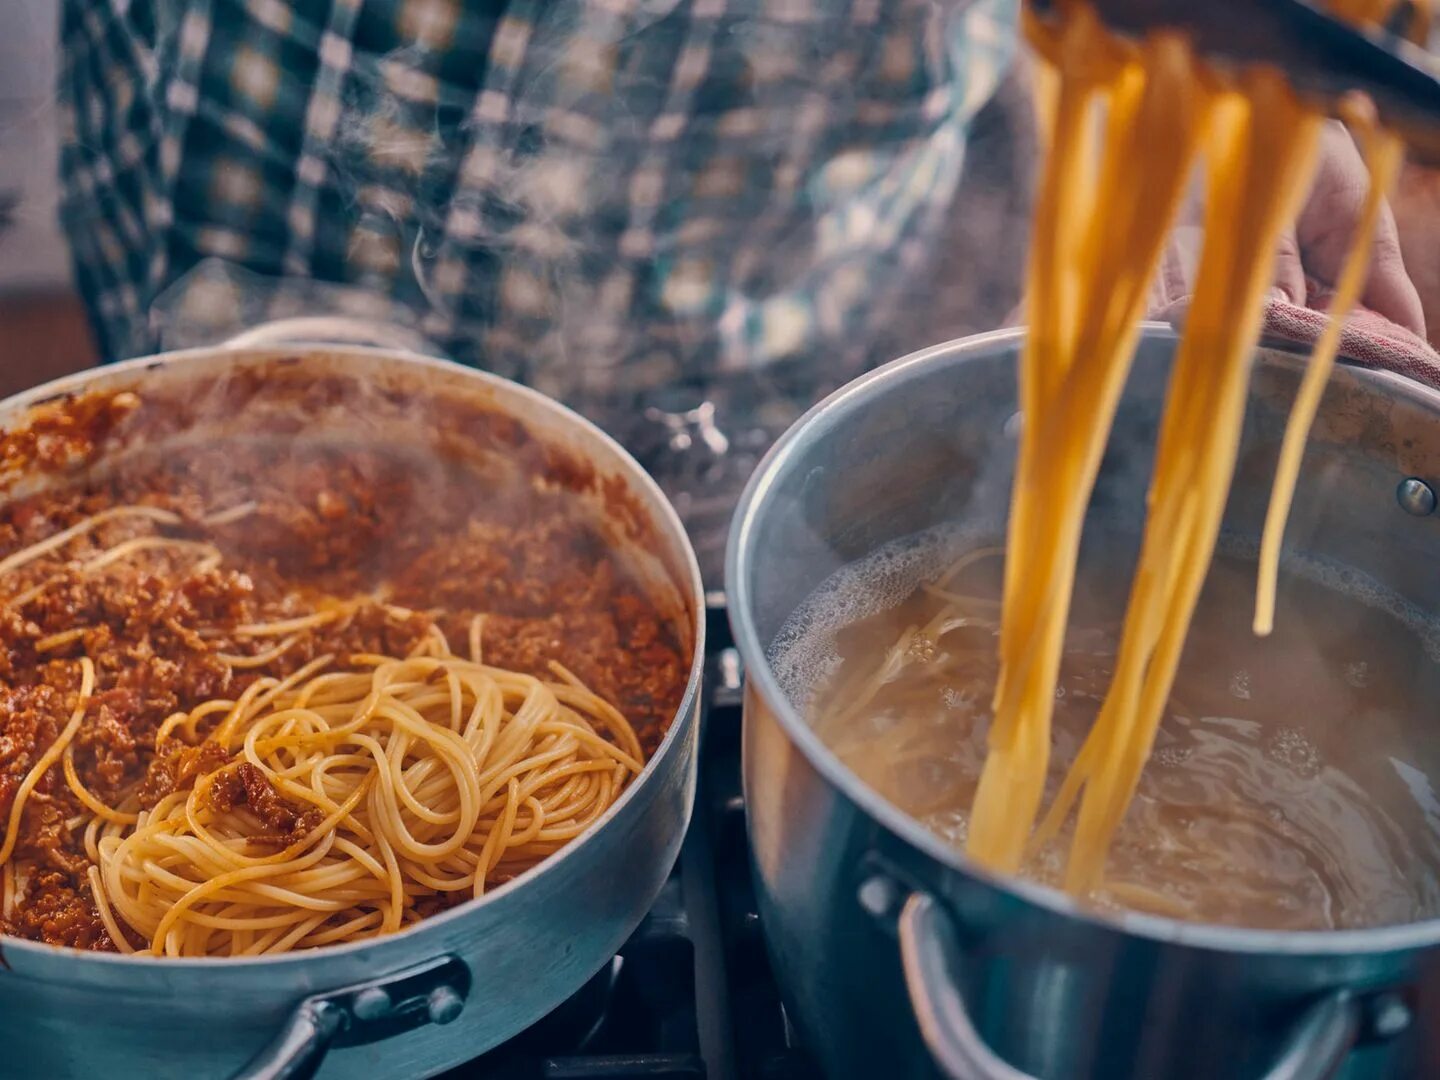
{"x":272,"y":695}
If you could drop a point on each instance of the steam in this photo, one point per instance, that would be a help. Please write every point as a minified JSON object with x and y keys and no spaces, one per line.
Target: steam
{"x":645,"y":209}
{"x":532,"y":229}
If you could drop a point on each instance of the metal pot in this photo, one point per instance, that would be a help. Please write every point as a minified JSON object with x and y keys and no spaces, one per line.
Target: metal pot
{"x":486,"y":969}
{"x":891,"y":946}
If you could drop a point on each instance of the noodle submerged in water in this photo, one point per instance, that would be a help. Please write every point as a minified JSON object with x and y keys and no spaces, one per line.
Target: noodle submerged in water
{"x":1286,"y":790}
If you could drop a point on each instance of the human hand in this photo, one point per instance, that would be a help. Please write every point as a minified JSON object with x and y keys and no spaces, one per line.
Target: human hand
{"x":1315,"y":248}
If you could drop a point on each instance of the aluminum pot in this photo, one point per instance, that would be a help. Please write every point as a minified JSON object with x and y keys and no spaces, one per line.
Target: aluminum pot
{"x":897,"y":955}
{"x":455,"y":985}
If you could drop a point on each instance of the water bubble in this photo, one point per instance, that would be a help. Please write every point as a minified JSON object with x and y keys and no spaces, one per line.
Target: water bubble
{"x":1240,"y":685}
{"x":1173,"y":756}
{"x":1357,"y":674}
{"x":807,"y":643}
{"x":921,"y":649}
{"x":956,"y":699}
{"x":1290,"y":748}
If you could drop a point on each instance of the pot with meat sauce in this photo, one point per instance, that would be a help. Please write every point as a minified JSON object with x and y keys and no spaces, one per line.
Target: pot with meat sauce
{"x":420,"y":494}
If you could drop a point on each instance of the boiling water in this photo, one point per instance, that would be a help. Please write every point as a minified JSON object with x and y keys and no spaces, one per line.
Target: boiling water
{"x":1290,"y":781}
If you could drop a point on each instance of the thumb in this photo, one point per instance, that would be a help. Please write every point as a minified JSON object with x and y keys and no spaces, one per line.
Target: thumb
{"x":1174,"y":282}
{"x":1289,"y":270}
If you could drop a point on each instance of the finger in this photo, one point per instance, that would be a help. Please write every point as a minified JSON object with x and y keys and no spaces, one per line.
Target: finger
{"x":1327,"y":222}
{"x":1388,"y":289}
{"x":1327,"y":227}
{"x":1289,"y":270}
{"x":1175,"y":277}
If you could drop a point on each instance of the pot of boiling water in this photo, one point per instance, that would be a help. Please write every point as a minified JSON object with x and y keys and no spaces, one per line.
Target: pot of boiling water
{"x":898,"y":955}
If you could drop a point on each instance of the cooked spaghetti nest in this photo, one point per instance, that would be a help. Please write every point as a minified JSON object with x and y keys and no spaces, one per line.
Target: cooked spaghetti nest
{"x":427,"y":774}
{"x":398,"y":778}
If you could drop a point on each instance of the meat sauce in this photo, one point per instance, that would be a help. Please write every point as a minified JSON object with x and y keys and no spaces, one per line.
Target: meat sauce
{"x":379,"y":532}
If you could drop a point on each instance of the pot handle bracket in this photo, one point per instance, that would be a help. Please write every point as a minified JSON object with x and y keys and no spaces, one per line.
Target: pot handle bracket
{"x":430,"y":993}
{"x":930,"y":956}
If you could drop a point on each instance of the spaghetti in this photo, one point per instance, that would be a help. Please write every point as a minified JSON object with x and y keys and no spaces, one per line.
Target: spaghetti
{"x":1245,"y":815}
{"x":200,"y":756}
{"x":1091,"y":258}
{"x":428,"y":775}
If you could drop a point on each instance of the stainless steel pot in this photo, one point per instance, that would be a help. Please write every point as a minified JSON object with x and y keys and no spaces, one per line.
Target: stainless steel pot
{"x":484,"y":970}
{"x":891,"y":946}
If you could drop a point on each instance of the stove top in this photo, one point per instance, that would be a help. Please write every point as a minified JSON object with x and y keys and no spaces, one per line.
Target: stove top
{"x":691,"y":996}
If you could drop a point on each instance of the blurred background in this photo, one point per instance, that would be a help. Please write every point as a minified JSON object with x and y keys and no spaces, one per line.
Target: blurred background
{"x":42,"y":326}
{"x":43,"y":332}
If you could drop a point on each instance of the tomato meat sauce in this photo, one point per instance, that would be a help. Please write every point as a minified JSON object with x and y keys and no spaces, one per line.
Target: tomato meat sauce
{"x":393,"y":543}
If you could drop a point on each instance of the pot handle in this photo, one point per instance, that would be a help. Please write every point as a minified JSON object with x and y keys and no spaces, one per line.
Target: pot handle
{"x":299,"y":1048}
{"x":930,"y":957}
{"x":430,"y":993}
{"x":929,"y":954}
{"x":331,"y":330}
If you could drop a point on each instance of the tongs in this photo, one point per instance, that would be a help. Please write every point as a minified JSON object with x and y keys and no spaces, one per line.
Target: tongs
{"x":1324,"y":57}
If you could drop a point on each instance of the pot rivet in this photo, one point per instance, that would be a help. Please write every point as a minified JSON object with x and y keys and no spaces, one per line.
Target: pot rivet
{"x":444,"y":1005}
{"x":879,"y":896}
{"x":371,"y":1004}
{"x":1390,"y":1015}
{"x":1415,"y":497}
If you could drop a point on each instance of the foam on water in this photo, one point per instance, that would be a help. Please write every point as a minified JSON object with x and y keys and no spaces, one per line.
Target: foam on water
{"x":1278,"y":794}
{"x":803,"y":655}
{"x":1346,"y":581}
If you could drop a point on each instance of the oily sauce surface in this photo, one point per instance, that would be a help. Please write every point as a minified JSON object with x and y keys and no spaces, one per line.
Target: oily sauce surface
{"x":403,"y":543}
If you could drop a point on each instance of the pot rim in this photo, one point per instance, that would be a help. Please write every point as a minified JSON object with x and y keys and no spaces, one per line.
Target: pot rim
{"x":667,"y":519}
{"x":836,"y":409}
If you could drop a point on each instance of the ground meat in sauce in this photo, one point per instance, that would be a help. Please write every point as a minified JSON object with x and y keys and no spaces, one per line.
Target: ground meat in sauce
{"x":325,"y":526}
{"x":281,"y":822}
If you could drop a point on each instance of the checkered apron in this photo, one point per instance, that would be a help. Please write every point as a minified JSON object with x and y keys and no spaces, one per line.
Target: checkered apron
{"x":584,"y":194}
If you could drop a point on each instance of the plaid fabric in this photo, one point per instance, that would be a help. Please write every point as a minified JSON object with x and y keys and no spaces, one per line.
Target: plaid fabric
{"x":590,"y":195}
